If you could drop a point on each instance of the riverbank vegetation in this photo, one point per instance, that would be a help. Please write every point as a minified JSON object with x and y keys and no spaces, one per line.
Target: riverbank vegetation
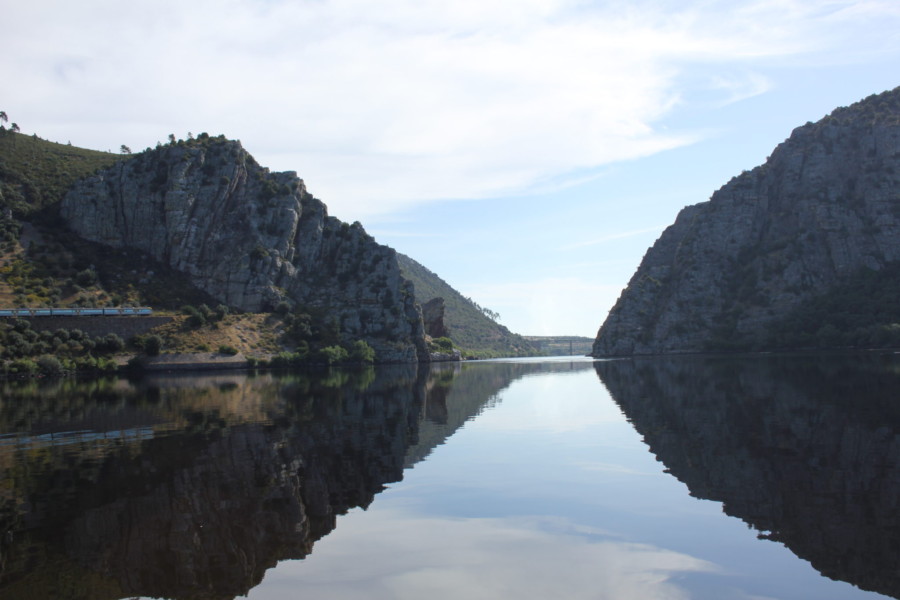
{"x":25,"y":351}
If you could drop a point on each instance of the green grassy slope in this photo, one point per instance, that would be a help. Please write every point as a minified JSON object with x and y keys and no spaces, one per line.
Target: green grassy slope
{"x":470,"y":329}
{"x":35,"y":173}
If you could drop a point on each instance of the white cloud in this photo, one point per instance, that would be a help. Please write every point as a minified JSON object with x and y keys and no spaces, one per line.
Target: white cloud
{"x":382,"y":105}
{"x":479,"y":558}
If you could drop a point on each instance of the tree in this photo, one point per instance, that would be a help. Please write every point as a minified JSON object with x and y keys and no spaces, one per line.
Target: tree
{"x":50,"y":365}
{"x":14,"y":128}
{"x":152,"y":345}
{"x":362,"y":352}
{"x":125,"y":149}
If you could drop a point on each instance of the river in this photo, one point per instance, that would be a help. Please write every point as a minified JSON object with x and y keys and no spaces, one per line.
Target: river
{"x":702,"y":478}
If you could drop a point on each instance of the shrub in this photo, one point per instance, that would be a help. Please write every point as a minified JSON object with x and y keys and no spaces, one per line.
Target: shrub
{"x":259,"y":253}
{"x":152,"y":345}
{"x":196,"y":318}
{"x":286,"y":360}
{"x":86,"y":278}
{"x":360,"y":351}
{"x":442,"y":344}
{"x":229,"y":350}
{"x":111,"y":343}
{"x":332,"y":354}
{"x":49,"y":365}
{"x":221,"y":312}
{"x":22,"y":366}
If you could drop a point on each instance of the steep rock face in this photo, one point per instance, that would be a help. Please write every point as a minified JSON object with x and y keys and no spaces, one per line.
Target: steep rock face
{"x":823,"y":207}
{"x":249,"y":238}
{"x":433,"y":316}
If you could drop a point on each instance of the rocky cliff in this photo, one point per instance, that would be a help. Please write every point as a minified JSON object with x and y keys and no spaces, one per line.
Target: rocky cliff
{"x":820,"y":215}
{"x":250,"y":239}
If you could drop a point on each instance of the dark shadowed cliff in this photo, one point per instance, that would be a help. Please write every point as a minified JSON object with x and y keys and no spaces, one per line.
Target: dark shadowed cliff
{"x":801,"y":251}
{"x":250,"y":239}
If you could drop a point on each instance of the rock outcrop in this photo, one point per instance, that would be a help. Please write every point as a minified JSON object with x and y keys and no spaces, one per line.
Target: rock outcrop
{"x":824,"y":208}
{"x":433,"y":316}
{"x":250,"y":239}
{"x":463,"y":321}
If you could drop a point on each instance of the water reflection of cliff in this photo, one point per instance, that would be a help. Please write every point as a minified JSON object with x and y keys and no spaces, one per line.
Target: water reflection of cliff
{"x":187,"y":487}
{"x":459,"y":392}
{"x":804,"y":449}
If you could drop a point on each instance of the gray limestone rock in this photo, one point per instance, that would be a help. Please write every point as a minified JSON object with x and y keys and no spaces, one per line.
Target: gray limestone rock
{"x":250,"y":238}
{"x":825,"y":205}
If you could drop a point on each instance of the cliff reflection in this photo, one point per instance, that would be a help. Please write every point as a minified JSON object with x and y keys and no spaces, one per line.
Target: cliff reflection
{"x":804,"y":449}
{"x":189,"y":487}
{"x":192,"y":487}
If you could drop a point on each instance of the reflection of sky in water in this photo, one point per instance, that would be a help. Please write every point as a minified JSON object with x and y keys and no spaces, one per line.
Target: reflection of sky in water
{"x":479,"y":558}
{"x":549,"y":494}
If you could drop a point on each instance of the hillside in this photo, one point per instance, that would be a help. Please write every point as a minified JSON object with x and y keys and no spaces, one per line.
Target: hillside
{"x":35,"y":173}
{"x":469,"y":327}
{"x":250,"y":238}
{"x":802,"y":251}
{"x":196,"y":222}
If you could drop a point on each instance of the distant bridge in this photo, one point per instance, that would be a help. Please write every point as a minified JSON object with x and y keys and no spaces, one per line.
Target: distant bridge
{"x":561,"y":345}
{"x":77,"y":312}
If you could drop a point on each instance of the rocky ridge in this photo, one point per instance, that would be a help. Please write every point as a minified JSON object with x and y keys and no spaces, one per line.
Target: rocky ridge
{"x":824,"y":208}
{"x":250,"y":238}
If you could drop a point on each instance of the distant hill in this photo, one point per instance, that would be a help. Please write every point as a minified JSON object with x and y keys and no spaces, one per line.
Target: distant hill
{"x":800,"y":252}
{"x":469,"y":327}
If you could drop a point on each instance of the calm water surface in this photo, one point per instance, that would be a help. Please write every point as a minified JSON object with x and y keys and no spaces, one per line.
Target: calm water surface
{"x":764,"y":477}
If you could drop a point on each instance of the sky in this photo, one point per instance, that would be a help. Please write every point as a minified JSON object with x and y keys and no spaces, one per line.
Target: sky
{"x":528,"y":152}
